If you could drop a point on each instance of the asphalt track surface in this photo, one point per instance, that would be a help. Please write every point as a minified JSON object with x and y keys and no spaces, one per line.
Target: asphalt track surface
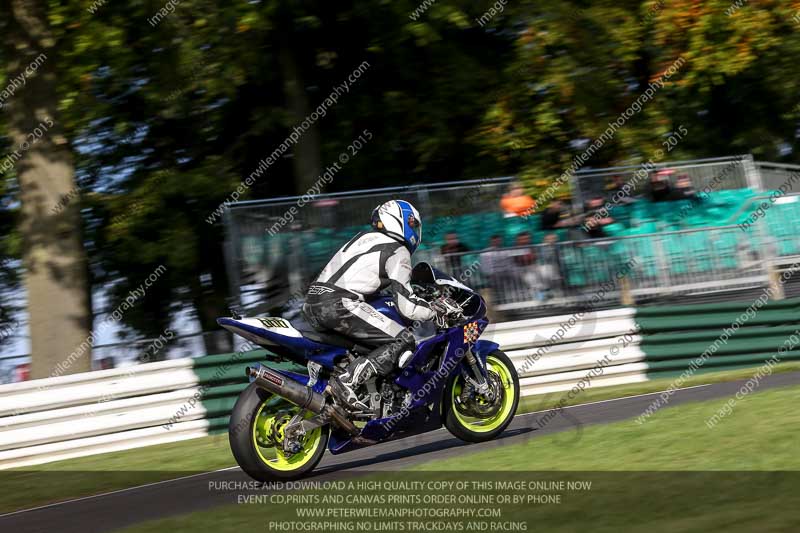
{"x":123,"y":508}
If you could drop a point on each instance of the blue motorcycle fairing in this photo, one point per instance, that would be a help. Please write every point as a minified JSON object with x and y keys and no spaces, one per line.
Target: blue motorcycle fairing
{"x":424,"y":412}
{"x":483,"y":348}
{"x":386,"y":306}
{"x":323,"y":354}
{"x":412,"y":378}
{"x":415,"y":422}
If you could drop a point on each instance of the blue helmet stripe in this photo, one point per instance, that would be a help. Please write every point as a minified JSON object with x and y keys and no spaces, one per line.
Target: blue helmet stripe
{"x":410,"y":234}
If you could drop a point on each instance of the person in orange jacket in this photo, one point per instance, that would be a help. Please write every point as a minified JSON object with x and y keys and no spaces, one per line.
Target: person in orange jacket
{"x":516,"y":203}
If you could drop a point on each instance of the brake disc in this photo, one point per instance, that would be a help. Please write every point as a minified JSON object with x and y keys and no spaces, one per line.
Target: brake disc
{"x":475,"y":405}
{"x":271,"y":433}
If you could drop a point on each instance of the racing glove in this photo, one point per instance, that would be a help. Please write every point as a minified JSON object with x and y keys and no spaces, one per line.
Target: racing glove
{"x":445,"y":310}
{"x":441,"y":310}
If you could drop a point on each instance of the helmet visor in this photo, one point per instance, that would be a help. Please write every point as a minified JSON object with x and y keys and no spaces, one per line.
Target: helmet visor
{"x":416,"y":227}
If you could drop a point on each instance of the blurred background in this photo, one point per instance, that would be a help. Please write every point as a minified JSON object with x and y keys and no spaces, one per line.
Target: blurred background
{"x":162,"y":162}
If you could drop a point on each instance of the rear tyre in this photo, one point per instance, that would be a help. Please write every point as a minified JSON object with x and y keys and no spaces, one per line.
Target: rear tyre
{"x":255,"y":434}
{"x":483,"y":421}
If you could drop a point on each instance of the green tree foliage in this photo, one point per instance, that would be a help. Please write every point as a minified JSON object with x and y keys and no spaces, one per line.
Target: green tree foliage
{"x":579,"y":65}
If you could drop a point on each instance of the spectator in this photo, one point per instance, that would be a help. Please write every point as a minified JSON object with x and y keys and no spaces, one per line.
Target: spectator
{"x":451,"y":247}
{"x":550,"y":265}
{"x":524,"y":256}
{"x":553,"y":217}
{"x":516,"y":203}
{"x":684,"y":190}
{"x":596,"y":218}
{"x":660,"y":189}
{"x":617,"y":192}
{"x":497,"y":267}
{"x":527,"y":274}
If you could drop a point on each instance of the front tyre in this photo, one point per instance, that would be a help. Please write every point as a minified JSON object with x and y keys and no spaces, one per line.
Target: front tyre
{"x":256,"y":435}
{"x":471,"y":417}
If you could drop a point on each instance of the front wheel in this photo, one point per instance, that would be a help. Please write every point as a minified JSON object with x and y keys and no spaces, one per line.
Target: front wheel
{"x":470,"y":416}
{"x":256,"y":433}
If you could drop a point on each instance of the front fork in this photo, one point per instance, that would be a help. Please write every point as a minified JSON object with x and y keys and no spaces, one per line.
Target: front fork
{"x":476,"y":375}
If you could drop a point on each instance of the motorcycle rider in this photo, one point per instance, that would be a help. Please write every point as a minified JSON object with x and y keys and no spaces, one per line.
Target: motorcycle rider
{"x":372,"y":261}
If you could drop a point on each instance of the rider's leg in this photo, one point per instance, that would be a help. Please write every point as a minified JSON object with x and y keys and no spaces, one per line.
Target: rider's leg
{"x":379,"y":361}
{"x":359,"y":320}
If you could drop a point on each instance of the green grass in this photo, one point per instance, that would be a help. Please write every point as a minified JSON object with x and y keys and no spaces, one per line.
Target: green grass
{"x":760,"y":434}
{"x":194,"y":455}
{"x":27,"y":487}
{"x":73,"y":478}
{"x":623,"y":461}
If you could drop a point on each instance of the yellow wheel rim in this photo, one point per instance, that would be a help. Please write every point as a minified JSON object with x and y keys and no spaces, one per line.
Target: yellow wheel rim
{"x":270,"y":417}
{"x":485,"y":425}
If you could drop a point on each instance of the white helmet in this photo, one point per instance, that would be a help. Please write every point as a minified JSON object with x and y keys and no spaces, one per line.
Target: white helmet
{"x":401,"y":220}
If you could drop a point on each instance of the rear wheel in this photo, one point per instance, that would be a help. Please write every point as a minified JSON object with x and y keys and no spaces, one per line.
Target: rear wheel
{"x":471,"y":416}
{"x":256,"y":435}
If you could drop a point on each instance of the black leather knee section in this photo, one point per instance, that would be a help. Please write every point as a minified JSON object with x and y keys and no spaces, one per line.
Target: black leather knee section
{"x":385,"y":357}
{"x":407,"y":338}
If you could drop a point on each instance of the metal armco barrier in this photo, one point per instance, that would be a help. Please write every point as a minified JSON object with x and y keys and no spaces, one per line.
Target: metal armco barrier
{"x":109,"y":410}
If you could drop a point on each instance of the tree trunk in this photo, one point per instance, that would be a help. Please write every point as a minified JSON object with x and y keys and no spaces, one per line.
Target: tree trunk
{"x":209,"y":307}
{"x":307,"y":160}
{"x":53,"y":254}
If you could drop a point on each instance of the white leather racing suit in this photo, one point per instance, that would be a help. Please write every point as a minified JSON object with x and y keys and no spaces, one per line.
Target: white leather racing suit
{"x":369,"y":263}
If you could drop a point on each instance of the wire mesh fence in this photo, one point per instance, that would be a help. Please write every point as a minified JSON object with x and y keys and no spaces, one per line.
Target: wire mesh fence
{"x":276,"y":247}
{"x":569,"y":274}
{"x":775,"y":176}
{"x":270,"y":264}
{"x":724,"y":173}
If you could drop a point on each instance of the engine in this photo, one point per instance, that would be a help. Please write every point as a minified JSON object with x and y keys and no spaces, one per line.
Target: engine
{"x":393,"y":398}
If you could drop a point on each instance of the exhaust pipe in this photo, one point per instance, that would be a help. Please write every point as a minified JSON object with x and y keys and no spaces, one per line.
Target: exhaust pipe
{"x":300,"y":395}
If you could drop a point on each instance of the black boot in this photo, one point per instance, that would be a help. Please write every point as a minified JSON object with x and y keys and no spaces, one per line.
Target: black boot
{"x":380,"y":361}
{"x":356,"y":374}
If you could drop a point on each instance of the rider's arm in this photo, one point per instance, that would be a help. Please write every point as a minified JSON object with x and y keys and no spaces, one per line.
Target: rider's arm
{"x":398,"y":270}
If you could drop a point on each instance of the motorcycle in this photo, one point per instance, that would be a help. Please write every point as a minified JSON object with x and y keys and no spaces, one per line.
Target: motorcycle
{"x":284,"y":420}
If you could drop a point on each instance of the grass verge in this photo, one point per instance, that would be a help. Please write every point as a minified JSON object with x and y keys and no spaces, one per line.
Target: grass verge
{"x":760,"y":434}
{"x":73,"y":478}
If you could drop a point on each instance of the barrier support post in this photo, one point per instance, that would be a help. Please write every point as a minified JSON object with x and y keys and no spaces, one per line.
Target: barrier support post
{"x":775,"y":285}
{"x":625,"y":293}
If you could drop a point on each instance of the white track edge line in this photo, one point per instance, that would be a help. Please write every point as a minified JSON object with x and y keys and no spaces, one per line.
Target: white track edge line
{"x":118,"y":491}
{"x":614,"y":399}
